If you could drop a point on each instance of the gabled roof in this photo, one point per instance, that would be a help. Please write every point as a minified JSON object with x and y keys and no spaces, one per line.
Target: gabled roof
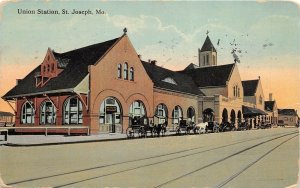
{"x":211,"y":76}
{"x":269,"y":106}
{"x":287,"y":112}
{"x":250,"y":87}
{"x":184,"y":82}
{"x":75,"y":64}
{"x":208,"y":46}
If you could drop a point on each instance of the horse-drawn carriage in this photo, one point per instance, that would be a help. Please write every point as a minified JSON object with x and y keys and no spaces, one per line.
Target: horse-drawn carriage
{"x":212,"y":126}
{"x":227,"y":126}
{"x":242,"y":126}
{"x":141,"y":127}
{"x":264,"y":125}
{"x":186,"y":127}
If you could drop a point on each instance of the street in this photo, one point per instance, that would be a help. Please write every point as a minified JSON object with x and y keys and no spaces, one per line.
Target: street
{"x":255,"y":158}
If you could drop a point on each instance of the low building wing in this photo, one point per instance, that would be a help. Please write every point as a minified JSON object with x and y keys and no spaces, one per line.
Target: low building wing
{"x":210,"y":76}
{"x":287,"y":112}
{"x":163,"y":78}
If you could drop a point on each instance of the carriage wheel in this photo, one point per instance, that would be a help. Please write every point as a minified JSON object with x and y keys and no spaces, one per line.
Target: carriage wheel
{"x":177,"y":130}
{"x":141,"y":132}
{"x":129,"y":132}
{"x":215,"y":129}
{"x":163,"y":131}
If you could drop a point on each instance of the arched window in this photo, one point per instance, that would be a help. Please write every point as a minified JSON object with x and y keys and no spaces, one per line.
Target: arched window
{"x":131,"y":74}
{"x":238,"y":92}
{"x":125,"y":71}
{"x":52,"y":67}
{"x":207,"y":59}
{"x":48,"y":66}
{"x":119,"y":71}
{"x":161,"y":113}
{"x":27,"y":116}
{"x":214,"y":60}
{"x":260,"y":100}
{"x":44,"y":68}
{"x":191,"y":114}
{"x":73,"y":111}
{"x":234,"y":94}
{"x":48,"y":113}
{"x":137,"y":109}
{"x":176,"y":115}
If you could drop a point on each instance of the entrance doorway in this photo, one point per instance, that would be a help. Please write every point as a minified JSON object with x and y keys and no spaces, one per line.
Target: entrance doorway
{"x":110,"y":116}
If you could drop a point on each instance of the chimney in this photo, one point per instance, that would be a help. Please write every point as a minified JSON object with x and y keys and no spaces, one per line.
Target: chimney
{"x":270,"y":96}
{"x":18,"y":81}
{"x":153,"y":62}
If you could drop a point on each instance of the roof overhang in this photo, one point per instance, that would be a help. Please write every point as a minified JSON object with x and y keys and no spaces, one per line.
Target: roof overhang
{"x":39,"y":93}
{"x":170,"y":90}
{"x":249,"y":111}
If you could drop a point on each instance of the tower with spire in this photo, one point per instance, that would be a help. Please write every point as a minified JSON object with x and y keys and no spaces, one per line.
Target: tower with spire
{"x":208,"y":54}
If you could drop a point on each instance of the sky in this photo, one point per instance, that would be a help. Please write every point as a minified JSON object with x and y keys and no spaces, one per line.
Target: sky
{"x":266,"y":35}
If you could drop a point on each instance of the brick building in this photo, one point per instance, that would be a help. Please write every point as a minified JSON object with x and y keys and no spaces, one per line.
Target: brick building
{"x":105,"y":85}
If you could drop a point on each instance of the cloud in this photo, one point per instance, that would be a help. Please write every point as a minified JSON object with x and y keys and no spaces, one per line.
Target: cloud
{"x":132,"y":23}
{"x":3,"y":3}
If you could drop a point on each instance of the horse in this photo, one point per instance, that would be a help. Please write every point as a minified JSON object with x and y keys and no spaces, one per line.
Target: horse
{"x":201,"y":127}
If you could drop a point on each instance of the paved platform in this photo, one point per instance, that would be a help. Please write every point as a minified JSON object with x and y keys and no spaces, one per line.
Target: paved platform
{"x":39,"y":140}
{"x":36,"y":140}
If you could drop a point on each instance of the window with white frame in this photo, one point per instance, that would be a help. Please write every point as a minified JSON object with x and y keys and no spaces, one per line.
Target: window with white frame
{"x":125,"y":71}
{"x":27,"y":113}
{"x":137,"y":109}
{"x":161,"y":113}
{"x":48,"y":113}
{"x":119,"y":71}
{"x":176,"y":115}
{"x":73,"y":111}
{"x":131,"y":74}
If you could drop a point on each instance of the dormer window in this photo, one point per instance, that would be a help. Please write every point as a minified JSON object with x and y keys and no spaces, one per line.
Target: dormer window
{"x":169,"y":80}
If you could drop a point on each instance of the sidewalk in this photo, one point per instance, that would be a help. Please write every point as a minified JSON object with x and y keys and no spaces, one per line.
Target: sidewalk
{"x":36,"y":140}
{"x":40,"y":140}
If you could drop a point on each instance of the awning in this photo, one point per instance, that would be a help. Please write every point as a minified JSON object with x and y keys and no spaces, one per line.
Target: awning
{"x":249,"y":111}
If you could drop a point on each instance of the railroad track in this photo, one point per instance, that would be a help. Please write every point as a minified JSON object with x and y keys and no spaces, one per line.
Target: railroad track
{"x":182,"y":154}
